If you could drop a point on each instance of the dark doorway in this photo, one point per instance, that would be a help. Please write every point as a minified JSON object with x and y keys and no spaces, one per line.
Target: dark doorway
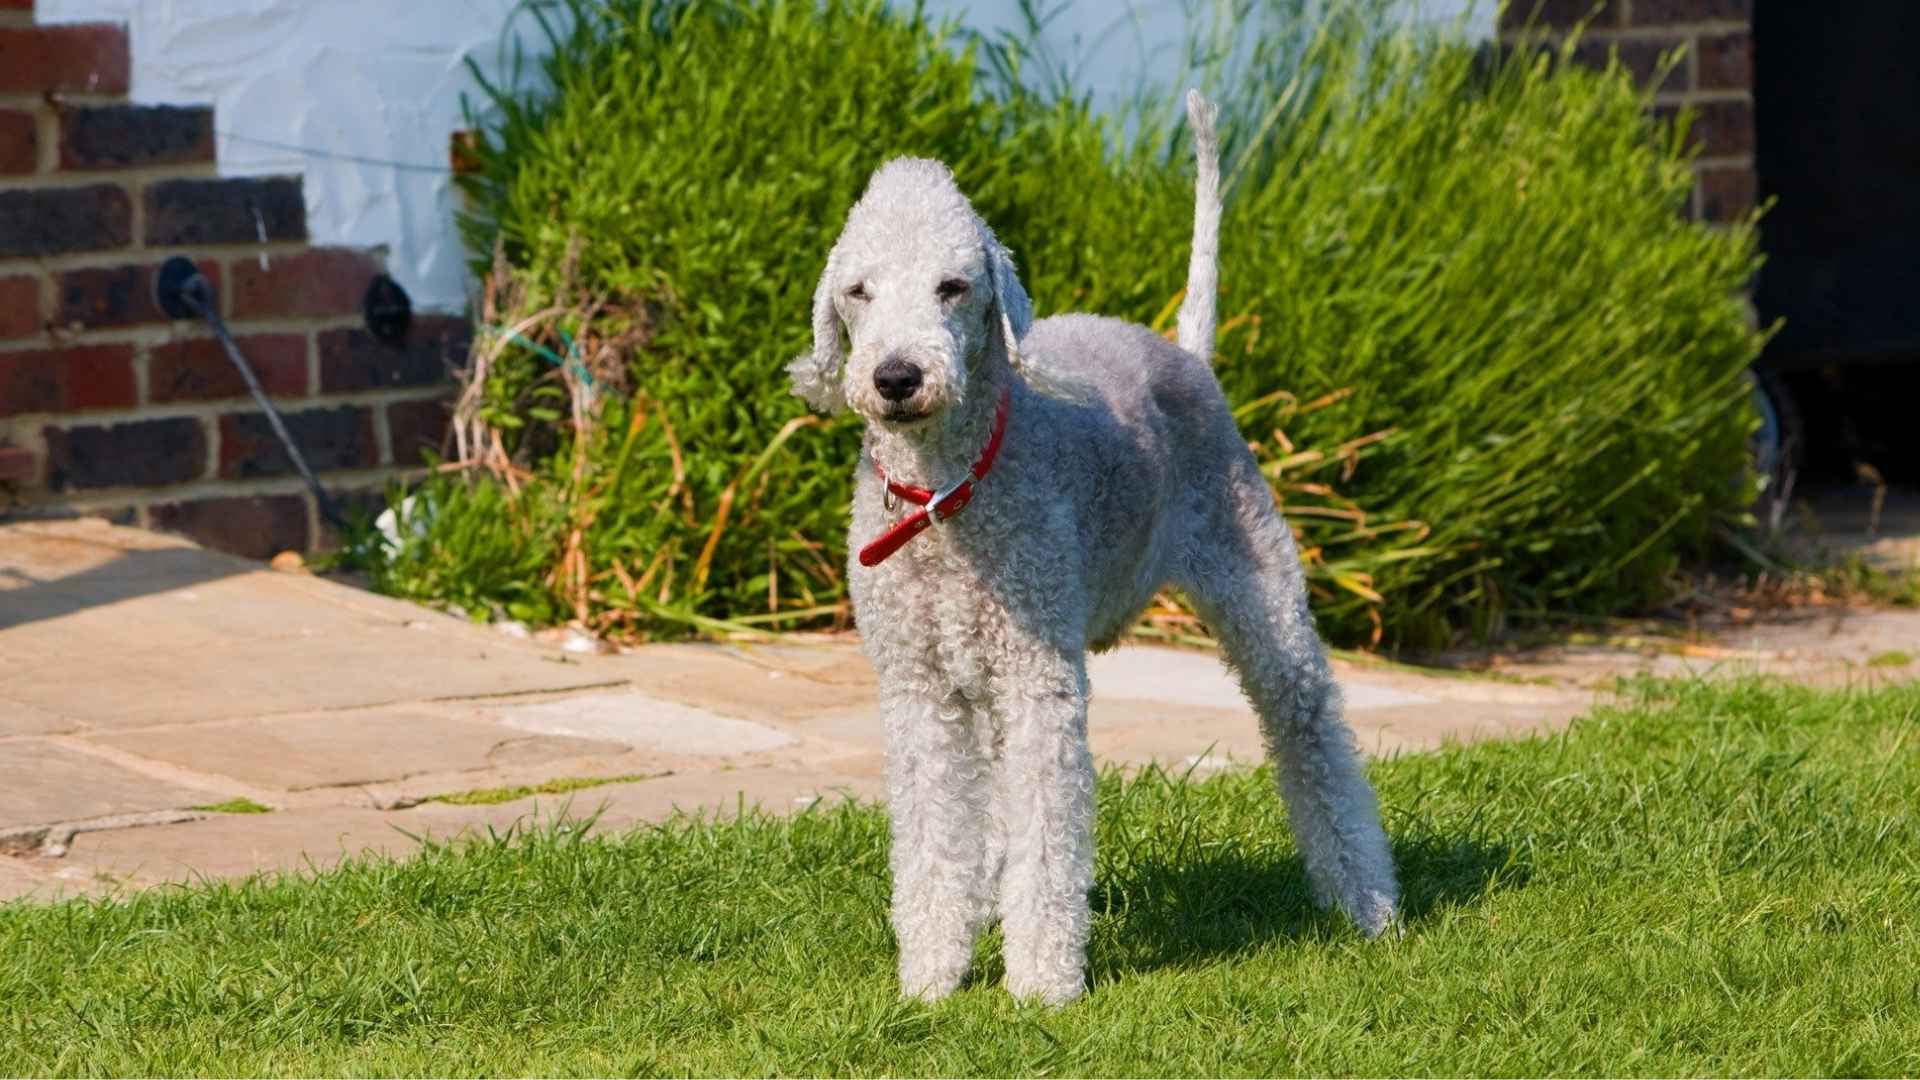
{"x":1837,"y":111}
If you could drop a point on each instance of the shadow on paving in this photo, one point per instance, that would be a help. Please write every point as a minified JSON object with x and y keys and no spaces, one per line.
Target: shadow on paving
{"x":1187,"y":908}
{"x":26,"y":598}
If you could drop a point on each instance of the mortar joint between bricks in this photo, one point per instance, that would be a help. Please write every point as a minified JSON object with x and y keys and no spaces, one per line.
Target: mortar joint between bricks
{"x":314,"y":523}
{"x":213,"y":409}
{"x":94,"y":260}
{"x":136,"y":193}
{"x":192,"y":330}
{"x":211,"y":424}
{"x":47,"y":130}
{"x":58,"y":99}
{"x":383,"y":435}
{"x":335,"y":481}
{"x":1707,"y":28}
{"x":142,"y":375}
{"x":313,"y":362}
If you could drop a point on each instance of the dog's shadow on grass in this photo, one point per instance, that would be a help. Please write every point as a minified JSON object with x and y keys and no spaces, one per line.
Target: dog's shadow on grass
{"x":1216,"y":902}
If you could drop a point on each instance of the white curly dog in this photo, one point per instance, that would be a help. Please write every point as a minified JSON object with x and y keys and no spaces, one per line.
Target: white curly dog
{"x":1024,"y":490}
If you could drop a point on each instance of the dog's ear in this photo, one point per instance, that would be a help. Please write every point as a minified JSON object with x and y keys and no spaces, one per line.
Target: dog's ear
{"x":1014,"y":309}
{"x":1010,"y":301}
{"x":816,"y":374}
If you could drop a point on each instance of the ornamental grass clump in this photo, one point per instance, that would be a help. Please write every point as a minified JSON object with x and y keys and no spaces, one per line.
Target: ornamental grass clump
{"x":1490,"y":368}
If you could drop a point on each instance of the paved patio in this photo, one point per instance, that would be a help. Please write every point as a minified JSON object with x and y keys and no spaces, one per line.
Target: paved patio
{"x":145,"y":677}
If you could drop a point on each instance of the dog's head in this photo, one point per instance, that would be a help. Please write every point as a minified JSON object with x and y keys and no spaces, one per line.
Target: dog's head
{"x":925,"y":292}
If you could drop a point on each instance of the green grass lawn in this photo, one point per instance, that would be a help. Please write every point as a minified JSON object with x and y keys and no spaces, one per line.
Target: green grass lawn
{"x":1717,"y":879}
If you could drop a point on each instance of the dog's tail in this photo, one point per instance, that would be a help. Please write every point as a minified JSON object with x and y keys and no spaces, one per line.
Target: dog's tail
{"x":1203,"y":269}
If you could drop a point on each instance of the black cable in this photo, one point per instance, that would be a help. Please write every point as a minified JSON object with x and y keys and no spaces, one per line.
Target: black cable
{"x":197,"y":293}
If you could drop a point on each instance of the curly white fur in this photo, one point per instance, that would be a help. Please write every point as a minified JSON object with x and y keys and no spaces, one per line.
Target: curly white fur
{"x":979,"y":628}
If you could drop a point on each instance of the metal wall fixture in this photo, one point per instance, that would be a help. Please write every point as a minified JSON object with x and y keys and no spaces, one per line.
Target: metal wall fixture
{"x":183,"y":292}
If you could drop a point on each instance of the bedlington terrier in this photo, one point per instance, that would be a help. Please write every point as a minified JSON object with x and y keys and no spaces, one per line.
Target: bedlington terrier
{"x":1064,"y":471}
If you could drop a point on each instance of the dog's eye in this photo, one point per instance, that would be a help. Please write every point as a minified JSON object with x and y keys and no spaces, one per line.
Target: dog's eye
{"x":952,"y":289}
{"x":858,"y":292}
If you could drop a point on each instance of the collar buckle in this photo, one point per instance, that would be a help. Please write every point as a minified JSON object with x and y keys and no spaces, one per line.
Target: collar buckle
{"x":937,"y":507}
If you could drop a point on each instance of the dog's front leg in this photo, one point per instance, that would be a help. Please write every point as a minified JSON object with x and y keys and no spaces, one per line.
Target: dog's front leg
{"x":937,"y":790}
{"x":1044,"y":796}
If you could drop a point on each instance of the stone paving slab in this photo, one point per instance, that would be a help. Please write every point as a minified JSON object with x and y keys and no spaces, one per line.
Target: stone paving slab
{"x":764,"y":684}
{"x":775,"y":790}
{"x":295,"y":753}
{"x":1411,"y":729}
{"x":1821,"y":647}
{"x":104,"y":627}
{"x":19,"y":718}
{"x":43,"y":782}
{"x":624,"y":718}
{"x":235,"y":845}
{"x":1125,"y":731}
{"x":1845,"y":523}
{"x":1190,"y":677}
{"x":20,"y":880}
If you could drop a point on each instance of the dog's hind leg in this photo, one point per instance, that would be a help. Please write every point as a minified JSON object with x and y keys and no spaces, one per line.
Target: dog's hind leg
{"x":1243,"y":574}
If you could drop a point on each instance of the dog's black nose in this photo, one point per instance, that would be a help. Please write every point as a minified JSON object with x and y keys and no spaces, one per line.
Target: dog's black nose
{"x":896,"y":379}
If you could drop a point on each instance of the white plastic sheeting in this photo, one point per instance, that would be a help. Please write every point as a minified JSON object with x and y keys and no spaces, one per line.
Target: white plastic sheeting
{"x":358,"y":96}
{"x":361,"y":96}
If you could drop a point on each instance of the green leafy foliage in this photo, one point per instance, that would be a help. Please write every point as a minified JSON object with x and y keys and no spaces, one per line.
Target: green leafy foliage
{"x":1486,"y":362}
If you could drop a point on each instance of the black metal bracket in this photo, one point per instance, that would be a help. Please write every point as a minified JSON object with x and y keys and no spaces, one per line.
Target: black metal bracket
{"x":170,"y":285}
{"x":387,"y":309}
{"x":183,"y":292}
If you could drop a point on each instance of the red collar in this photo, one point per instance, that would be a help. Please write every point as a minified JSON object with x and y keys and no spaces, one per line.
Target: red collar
{"x":939,"y":505}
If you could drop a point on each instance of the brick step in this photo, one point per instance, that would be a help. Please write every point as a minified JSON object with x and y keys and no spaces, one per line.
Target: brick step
{"x":225,"y":210}
{"x":197,"y":369}
{"x":105,"y":401}
{"x":19,"y":306}
{"x":161,"y":452}
{"x":319,"y":282}
{"x":19,"y":142}
{"x":134,"y":136}
{"x":105,"y":297}
{"x":40,"y":378}
{"x":256,"y":526}
{"x":17,"y":464}
{"x":58,"y":221}
{"x":76,"y":58}
{"x":73,"y":379}
{"x":179,"y":213}
{"x":91,"y":138}
{"x":330,"y":437}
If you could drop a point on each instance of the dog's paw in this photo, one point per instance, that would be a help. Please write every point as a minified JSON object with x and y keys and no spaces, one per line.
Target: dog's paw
{"x":1374,"y":913}
{"x":1050,"y":991}
{"x":929,"y":982}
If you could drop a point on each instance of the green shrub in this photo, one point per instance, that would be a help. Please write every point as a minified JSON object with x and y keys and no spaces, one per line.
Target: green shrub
{"x":1487,"y":364}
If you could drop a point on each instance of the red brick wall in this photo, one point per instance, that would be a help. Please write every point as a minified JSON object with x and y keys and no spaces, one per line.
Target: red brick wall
{"x":106,"y":405}
{"x":1715,"y":78}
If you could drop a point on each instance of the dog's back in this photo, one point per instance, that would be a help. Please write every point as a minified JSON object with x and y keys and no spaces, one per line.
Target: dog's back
{"x":1147,"y":442}
{"x":1146,"y":434}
